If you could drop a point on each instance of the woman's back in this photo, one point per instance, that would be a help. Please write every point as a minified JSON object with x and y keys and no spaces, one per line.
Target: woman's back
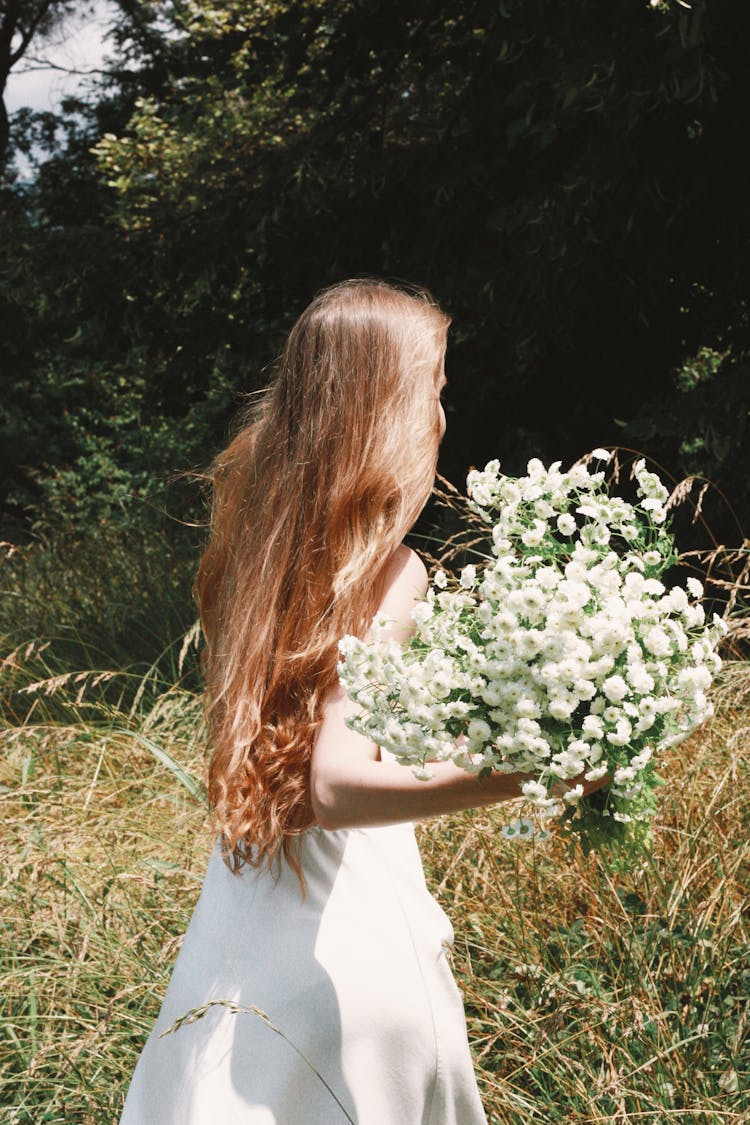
{"x":355,"y":976}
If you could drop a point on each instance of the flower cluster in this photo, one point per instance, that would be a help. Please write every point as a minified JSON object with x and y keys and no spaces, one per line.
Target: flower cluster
{"x":561,"y":654}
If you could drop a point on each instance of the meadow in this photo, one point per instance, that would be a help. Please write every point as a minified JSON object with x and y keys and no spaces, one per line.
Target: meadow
{"x":592,"y":995}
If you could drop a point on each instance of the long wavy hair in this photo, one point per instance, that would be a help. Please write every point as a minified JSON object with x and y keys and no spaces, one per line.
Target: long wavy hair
{"x":329,"y":470}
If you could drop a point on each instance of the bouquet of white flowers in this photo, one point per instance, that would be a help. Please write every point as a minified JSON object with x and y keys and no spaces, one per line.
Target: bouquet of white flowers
{"x":562,"y":652}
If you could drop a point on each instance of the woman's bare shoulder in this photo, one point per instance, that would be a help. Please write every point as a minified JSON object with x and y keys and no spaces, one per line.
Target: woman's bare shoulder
{"x":404,"y":585}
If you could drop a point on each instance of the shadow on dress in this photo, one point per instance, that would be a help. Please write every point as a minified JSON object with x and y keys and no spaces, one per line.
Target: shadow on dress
{"x":251,"y":941}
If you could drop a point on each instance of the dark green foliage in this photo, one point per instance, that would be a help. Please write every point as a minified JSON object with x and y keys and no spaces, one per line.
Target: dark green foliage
{"x":565,"y":179}
{"x":110,"y":594}
{"x":706,"y":424}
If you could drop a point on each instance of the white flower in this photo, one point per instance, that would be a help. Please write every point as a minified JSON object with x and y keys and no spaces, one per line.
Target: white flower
{"x":566,"y":764}
{"x":648,"y":714}
{"x":501,"y":545}
{"x":529,"y":601}
{"x":676,"y":600}
{"x":578,"y":476}
{"x":578,"y":748}
{"x":694,"y":587}
{"x":575,"y":594}
{"x":547,"y":577}
{"x":534,"y":535}
{"x":657,"y":642}
{"x":640,"y":679}
{"x":534,"y":791}
{"x":593,"y":727}
{"x":422,"y":612}
{"x":560,"y":707}
{"x":601,"y":454}
{"x":440,"y":685}
{"x":440,"y":579}
{"x":658,"y":514}
{"x":478,"y":732}
{"x":482,"y":486}
{"x":615,"y":689}
{"x":348,"y":645}
{"x":529,"y":642}
{"x":623,"y":774}
{"x":694,"y":615}
{"x":381,"y":625}
{"x":566,"y":524}
{"x":493,"y":694}
{"x":528,"y":708}
{"x":642,"y":759}
{"x":518,"y":829}
{"x":622,"y":733}
{"x":468,"y":576}
{"x":596,"y":772}
{"x":648,"y":483}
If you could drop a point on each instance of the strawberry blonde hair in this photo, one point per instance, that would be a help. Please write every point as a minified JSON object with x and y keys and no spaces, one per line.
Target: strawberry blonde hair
{"x":334,"y":462}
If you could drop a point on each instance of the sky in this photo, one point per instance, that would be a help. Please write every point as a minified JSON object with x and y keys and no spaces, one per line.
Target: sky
{"x":79,"y":45}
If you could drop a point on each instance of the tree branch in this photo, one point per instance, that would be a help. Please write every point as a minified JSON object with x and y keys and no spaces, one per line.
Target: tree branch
{"x":30,"y":32}
{"x":47,"y":64}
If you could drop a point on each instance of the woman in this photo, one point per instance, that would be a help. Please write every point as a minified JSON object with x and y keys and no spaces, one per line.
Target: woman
{"x":314,"y":908}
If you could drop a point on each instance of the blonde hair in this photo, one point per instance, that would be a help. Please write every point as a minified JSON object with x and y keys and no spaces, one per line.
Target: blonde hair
{"x":311,"y":498}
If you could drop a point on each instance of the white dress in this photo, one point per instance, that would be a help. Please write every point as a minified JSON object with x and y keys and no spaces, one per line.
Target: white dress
{"x":356,"y":977}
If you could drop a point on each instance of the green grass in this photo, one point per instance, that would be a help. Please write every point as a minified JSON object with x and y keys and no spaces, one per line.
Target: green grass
{"x":116,"y":596}
{"x":591,"y":997}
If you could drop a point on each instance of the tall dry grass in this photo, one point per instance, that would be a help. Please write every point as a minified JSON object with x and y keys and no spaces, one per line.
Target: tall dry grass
{"x":590,"y":997}
{"x":595,"y":997}
{"x":102,"y":853}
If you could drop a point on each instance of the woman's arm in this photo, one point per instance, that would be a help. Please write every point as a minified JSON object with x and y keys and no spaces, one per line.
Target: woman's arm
{"x":351,"y":788}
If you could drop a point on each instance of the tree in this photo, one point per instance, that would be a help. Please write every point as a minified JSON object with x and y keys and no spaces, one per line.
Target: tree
{"x":564,"y":179}
{"x":23,"y":22}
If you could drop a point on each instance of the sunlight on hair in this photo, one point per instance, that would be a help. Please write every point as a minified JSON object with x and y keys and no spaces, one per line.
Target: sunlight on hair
{"x":333,"y":465}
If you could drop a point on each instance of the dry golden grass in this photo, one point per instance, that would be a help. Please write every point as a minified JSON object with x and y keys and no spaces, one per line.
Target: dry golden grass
{"x":657,"y":1028}
{"x":103,"y":850}
{"x":591,"y":997}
